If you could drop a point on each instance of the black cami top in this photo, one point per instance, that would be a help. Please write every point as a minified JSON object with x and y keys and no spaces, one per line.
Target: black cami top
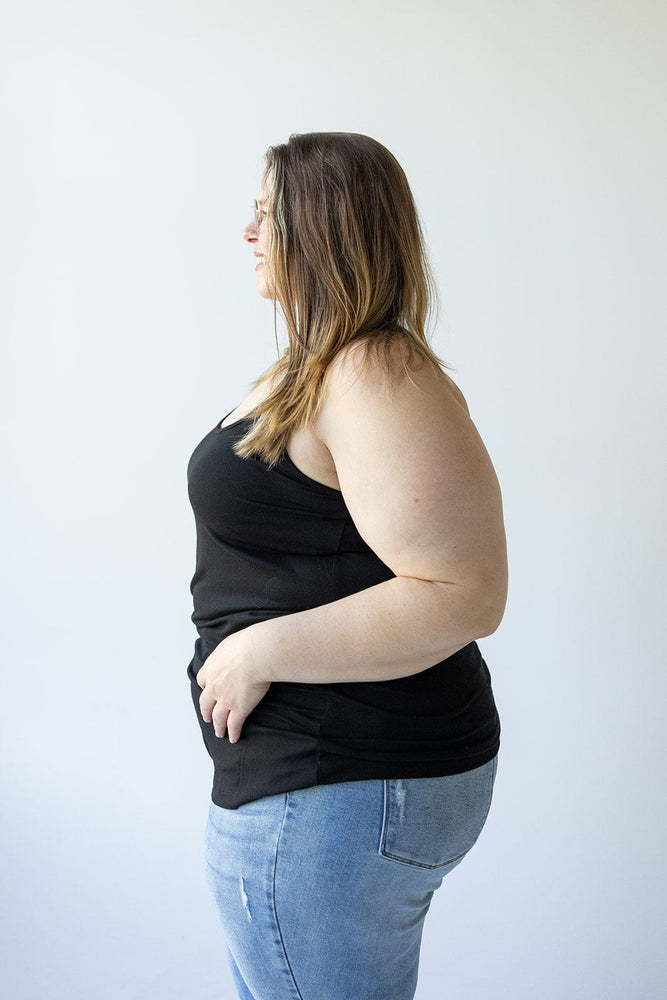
{"x":273,"y":541}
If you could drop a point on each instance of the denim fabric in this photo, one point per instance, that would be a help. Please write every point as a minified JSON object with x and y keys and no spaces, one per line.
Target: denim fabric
{"x":322,"y":892}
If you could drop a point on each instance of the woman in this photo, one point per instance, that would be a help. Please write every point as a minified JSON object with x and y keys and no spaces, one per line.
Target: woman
{"x":350,"y":549}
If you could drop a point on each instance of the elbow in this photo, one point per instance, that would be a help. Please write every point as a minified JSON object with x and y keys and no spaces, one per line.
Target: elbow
{"x":490,"y":598}
{"x":490,"y":610}
{"x":490,"y":622}
{"x":471,"y":610}
{"x":482,"y":608}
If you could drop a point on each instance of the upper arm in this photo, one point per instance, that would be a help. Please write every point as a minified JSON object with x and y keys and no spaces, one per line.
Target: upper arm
{"x":415,"y":475}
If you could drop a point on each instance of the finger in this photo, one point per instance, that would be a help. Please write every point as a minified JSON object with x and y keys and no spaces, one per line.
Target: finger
{"x":234,"y":726}
{"x":219,"y":720}
{"x":207,"y":703}
{"x":201,"y":678}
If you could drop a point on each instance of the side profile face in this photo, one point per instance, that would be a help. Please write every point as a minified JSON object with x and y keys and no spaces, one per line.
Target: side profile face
{"x":259,"y":241}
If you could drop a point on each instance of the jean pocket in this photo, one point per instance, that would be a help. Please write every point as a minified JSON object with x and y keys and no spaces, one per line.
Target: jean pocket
{"x":433,"y":822}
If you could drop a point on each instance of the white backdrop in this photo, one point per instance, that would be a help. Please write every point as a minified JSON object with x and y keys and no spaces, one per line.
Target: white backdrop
{"x":533,"y":135}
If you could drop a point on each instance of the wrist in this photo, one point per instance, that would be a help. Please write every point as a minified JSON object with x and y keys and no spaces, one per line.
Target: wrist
{"x":259,"y":652}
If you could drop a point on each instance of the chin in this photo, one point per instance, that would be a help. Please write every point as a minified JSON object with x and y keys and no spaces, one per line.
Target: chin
{"x":263,"y":287}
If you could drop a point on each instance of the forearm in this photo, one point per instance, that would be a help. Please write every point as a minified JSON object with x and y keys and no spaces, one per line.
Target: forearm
{"x":394,"y":629}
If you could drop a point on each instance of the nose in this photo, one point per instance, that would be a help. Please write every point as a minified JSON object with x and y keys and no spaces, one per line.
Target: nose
{"x":250,"y":232}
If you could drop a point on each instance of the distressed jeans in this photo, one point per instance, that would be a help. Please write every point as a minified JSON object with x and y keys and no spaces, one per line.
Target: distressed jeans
{"x":322,"y":892}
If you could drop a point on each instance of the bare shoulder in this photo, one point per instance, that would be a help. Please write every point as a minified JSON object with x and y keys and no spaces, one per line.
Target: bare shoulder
{"x":388,"y":382}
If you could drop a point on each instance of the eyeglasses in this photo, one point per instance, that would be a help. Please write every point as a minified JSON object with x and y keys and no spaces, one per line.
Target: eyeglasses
{"x":260,"y":213}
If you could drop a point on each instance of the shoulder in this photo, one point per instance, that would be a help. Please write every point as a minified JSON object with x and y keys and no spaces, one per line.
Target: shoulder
{"x":387,"y":377}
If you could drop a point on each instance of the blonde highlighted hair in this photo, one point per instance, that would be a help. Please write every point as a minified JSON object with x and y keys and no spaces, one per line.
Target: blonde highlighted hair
{"x":346,"y":263}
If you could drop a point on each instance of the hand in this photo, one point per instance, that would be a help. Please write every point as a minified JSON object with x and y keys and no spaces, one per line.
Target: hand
{"x":231,"y":685}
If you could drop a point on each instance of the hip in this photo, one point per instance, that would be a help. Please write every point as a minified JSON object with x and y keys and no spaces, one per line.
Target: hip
{"x":339,"y":877}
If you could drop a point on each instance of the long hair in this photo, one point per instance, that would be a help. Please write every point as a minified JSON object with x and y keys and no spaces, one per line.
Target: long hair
{"x":346,"y":262}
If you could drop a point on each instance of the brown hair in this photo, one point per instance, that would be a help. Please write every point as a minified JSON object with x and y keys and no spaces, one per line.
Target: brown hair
{"x":347,"y":263}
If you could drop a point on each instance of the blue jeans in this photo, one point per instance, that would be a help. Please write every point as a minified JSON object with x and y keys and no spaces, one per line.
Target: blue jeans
{"x":322,"y":892}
